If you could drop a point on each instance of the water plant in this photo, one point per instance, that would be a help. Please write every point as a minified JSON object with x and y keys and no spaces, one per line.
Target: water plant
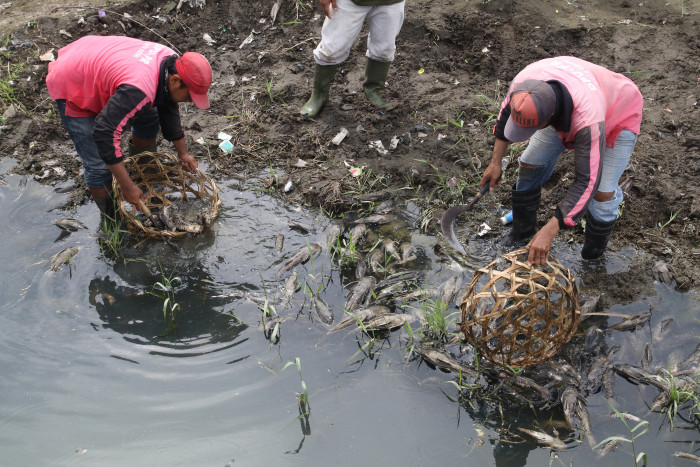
{"x":634,"y":432}
{"x":167,"y":286}
{"x":303,"y":396}
{"x":437,"y":317}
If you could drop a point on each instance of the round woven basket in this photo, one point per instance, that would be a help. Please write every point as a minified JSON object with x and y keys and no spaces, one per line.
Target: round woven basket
{"x":164,"y":182}
{"x":516,"y":315}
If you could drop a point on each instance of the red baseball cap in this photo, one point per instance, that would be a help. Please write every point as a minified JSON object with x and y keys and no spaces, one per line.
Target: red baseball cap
{"x":195,"y":72}
{"x":531,"y":104}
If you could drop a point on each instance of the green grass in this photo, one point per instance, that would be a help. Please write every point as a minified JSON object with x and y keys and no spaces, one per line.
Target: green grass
{"x":165,"y":290}
{"x":10,"y":72}
{"x":634,"y":433}
{"x":303,"y":396}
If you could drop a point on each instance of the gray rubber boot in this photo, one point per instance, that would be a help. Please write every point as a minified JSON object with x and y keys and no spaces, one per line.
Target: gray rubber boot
{"x":375,"y":79}
{"x":323,"y":76}
{"x":525,"y":204}
{"x":597,"y":236}
{"x":136,"y":150}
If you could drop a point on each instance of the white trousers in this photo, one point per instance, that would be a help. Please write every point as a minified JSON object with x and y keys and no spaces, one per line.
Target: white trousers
{"x":339,"y":33}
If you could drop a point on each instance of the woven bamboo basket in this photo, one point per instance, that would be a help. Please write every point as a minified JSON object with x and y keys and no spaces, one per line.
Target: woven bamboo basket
{"x":164,"y":182}
{"x":518,"y":316}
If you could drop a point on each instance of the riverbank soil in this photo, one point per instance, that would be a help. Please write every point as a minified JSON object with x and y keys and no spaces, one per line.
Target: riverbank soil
{"x":454,"y":62}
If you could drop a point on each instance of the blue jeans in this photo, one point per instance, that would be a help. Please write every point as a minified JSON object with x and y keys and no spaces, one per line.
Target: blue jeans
{"x":543,"y":152}
{"x":97,"y":174}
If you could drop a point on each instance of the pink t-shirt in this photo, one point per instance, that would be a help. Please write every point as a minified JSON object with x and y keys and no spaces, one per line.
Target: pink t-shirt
{"x":89,"y":70}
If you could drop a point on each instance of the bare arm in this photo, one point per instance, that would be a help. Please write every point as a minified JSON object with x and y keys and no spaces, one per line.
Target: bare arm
{"x":328,"y":6}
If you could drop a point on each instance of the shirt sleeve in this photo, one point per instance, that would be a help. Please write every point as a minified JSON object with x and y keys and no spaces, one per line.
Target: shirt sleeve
{"x":589,"y":146}
{"x":169,"y":117}
{"x":503,"y":115}
{"x":127,"y":103}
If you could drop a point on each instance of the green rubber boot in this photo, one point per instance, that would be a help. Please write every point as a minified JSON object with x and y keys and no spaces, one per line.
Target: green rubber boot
{"x":375,"y":78}
{"x":323,"y":76}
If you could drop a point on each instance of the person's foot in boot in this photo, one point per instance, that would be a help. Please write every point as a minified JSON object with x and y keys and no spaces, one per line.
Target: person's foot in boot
{"x":597,"y":236}
{"x":135,"y":150}
{"x":375,"y":79}
{"x":323,"y":76}
{"x":524,"y":226}
{"x":107,"y":212}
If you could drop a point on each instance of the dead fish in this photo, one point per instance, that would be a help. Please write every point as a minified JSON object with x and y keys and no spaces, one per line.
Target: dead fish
{"x":290,"y":285}
{"x":598,"y":367}
{"x":687,"y":455}
{"x":279,"y":243}
{"x":693,"y":359}
{"x":626,"y":416}
{"x":391,"y":250}
{"x":323,"y":310}
{"x":164,"y":216}
{"x":420,"y":293}
{"x":449,"y":289}
{"x":639,"y":375}
{"x":390,"y":291}
{"x":360,"y":270}
{"x":609,"y":446}
{"x":527,"y":383}
{"x":360,"y":292}
{"x":407,"y":252}
{"x":661,"y":329}
{"x":271,"y":323}
{"x":569,"y":400}
{"x":585,"y":418}
{"x":300,"y":227}
{"x":62,"y":257}
{"x":66,"y":189}
{"x":312,"y":250}
{"x":608,"y":381}
{"x":333,"y":234}
{"x":20,"y":189}
{"x":378,"y":219}
{"x":646,"y":357}
{"x":443,"y":361}
{"x":592,"y":339}
{"x":388,"y":322}
{"x":633,"y":322}
{"x":357,"y":233}
{"x":662,"y":272}
{"x":543,"y":439}
{"x":363,"y":314}
{"x":71,"y":225}
{"x":589,"y":305}
{"x":376,"y":261}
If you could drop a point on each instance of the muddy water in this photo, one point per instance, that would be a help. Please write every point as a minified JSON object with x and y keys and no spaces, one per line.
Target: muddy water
{"x":90,"y":375}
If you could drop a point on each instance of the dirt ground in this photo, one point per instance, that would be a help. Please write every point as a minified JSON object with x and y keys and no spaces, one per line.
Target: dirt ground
{"x":455,"y":60}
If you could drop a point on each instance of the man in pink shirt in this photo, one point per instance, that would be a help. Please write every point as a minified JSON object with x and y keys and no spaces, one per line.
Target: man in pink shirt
{"x":103,"y":85}
{"x":567,"y":103}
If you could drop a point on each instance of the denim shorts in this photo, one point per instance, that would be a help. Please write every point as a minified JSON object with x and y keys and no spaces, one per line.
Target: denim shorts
{"x":97,"y":174}
{"x":544,"y":150}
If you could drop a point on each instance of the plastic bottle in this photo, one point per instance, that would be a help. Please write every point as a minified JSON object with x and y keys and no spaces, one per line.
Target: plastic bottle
{"x":508,"y":218}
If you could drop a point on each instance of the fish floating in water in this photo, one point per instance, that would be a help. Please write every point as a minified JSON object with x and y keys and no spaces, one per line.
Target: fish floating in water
{"x":70,"y":225}
{"x":302,"y":255}
{"x":63,"y":257}
{"x":543,"y":439}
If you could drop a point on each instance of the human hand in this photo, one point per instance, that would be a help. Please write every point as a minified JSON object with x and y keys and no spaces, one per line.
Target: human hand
{"x":492,"y":175}
{"x":189,"y":163}
{"x":541,"y":243}
{"x":326,"y":6}
{"x":132,"y":194}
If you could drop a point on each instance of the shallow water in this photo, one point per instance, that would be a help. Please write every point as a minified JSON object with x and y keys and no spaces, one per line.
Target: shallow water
{"x":89,"y":376}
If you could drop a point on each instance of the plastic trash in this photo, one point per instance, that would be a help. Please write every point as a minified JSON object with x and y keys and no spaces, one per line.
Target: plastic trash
{"x":508,"y":218}
{"x":226,"y":146}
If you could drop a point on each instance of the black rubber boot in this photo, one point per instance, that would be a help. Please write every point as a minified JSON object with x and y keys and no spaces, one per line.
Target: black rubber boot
{"x":597,"y":236}
{"x":525,"y":204}
{"x":323,"y":76}
{"x":375,"y":78}
{"x":107,"y":209}
{"x":135,"y":150}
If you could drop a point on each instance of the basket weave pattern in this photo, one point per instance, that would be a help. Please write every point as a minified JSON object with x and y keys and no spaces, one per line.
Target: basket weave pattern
{"x":517,"y":315}
{"x":164,"y":182}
